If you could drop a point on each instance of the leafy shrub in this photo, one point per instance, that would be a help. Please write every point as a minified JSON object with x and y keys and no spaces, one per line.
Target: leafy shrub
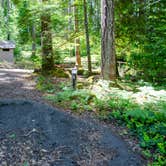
{"x":147,"y":122}
{"x":44,"y":84}
{"x":78,"y":100}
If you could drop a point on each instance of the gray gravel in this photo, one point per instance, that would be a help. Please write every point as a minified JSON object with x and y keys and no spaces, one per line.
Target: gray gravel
{"x":57,"y":138}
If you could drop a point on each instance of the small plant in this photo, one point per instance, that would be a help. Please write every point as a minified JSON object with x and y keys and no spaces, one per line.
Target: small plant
{"x":74,"y":106}
{"x":78,"y":100}
{"x":45,"y":85}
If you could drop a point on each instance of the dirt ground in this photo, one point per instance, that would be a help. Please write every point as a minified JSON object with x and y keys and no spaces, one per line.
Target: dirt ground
{"x":35,"y":134}
{"x":17,"y":84}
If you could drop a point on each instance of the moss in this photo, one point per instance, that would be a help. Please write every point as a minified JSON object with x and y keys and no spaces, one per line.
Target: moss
{"x":56,"y":72}
{"x":80,"y":85}
{"x":59,"y":72}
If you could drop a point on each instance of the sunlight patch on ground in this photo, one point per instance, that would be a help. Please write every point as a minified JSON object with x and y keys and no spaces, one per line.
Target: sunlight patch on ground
{"x":148,"y":94}
{"x":17,"y":70}
{"x":145,"y":94}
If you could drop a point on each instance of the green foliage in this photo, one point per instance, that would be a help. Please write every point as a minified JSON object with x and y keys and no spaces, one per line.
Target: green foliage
{"x":78,"y":100}
{"x":101,"y":105}
{"x":151,"y":64}
{"x":140,"y":32}
{"x":147,"y":123}
{"x":141,"y":37}
{"x":8,"y":21}
{"x":44,"y":84}
{"x":150,"y":59}
{"x":17,"y":53}
{"x":36,"y":59}
{"x":24,"y":22}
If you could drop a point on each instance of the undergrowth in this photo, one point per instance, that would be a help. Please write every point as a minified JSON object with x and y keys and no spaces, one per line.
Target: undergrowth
{"x":77,"y":101}
{"x":148,"y":123}
{"x":45,"y":85}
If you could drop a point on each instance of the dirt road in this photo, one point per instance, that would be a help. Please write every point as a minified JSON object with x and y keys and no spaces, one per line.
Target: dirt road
{"x":35,"y":134}
{"x":16,"y":84}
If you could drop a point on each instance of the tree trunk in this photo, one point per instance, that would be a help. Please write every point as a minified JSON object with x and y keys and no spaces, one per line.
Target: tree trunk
{"x":33,"y":41}
{"x":77,"y":40}
{"x":47,"y":50}
{"x":8,"y":18}
{"x":87,"y":38}
{"x":108,"y":66}
{"x":70,"y":25}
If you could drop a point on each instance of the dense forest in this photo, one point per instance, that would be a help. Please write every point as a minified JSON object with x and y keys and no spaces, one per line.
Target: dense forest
{"x":113,"y":44}
{"x":73,"y":28}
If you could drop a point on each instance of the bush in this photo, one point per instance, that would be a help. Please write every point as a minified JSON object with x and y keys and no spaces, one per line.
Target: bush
{"x":78,"y":100}
{"x":147,"y":123}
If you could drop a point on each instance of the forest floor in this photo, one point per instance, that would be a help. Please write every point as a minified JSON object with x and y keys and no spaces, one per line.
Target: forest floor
{"x":34,"y":133}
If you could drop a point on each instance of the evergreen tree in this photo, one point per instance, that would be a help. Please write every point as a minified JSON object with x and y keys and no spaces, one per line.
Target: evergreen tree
{"x":108,"y":66}
{"x":46,"y":40}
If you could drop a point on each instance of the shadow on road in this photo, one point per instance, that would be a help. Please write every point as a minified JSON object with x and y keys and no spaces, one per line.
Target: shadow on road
{"x":41,"y":135}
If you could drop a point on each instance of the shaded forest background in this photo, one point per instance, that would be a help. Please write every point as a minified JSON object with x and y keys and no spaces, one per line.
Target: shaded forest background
{"x":140,"y":32}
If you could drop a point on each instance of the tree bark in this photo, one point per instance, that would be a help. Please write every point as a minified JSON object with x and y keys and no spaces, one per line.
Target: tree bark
{"x":8,"y":18}
{"x":33,"y":40}
{"x":77,"y":40}
{"x":47,"y":50}
{"x":108,"y":64}
{"x":70,"y":25}
{"x":87,"y":38}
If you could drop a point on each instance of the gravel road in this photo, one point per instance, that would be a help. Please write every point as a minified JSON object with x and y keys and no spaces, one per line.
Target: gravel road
{"x":35,"y":134}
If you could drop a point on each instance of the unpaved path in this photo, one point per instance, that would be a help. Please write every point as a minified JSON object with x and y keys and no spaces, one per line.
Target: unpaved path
{"x":17,"y":84}
{"x":35,"y":134}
